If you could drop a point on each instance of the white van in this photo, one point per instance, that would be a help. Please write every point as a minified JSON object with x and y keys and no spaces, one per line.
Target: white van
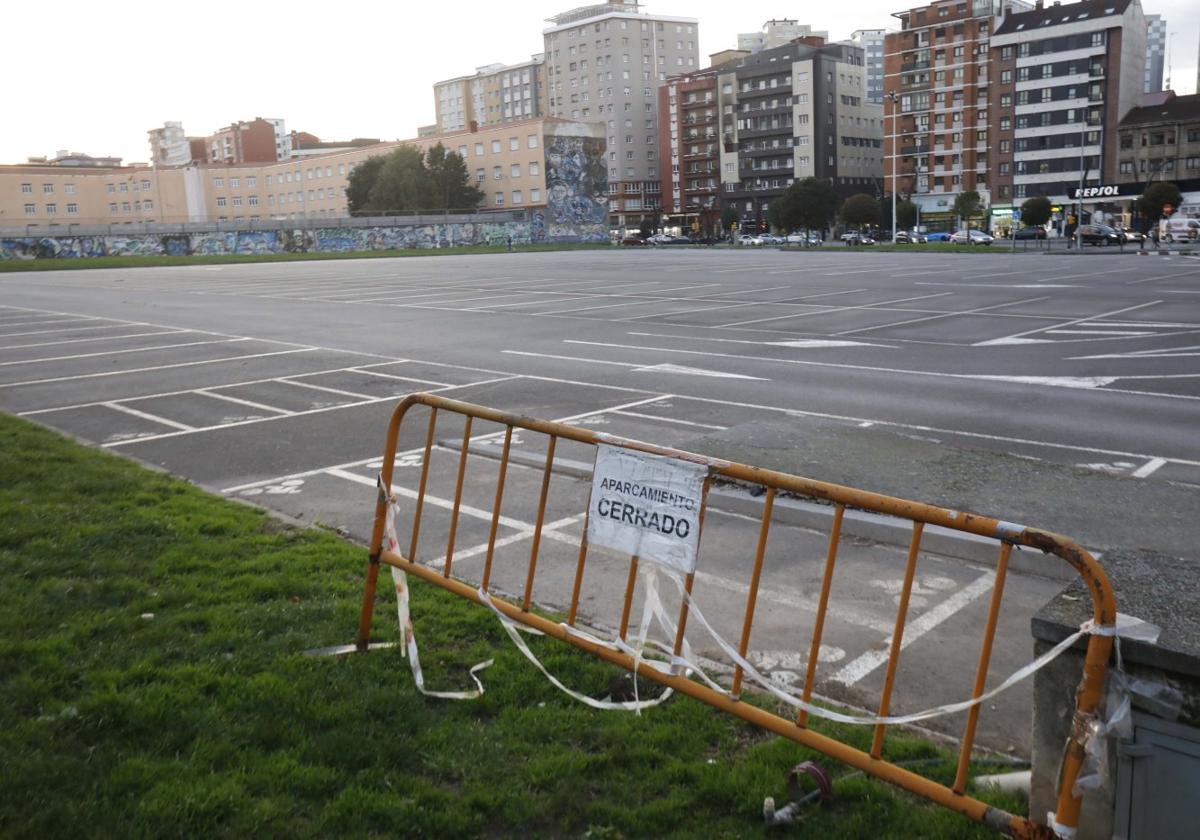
{"x":1179,"y":230}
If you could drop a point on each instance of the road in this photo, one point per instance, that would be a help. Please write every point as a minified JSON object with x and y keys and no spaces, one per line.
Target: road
{"x":274,"y":382}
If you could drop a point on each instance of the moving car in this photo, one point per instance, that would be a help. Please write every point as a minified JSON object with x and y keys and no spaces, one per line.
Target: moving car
{"x":633,"y":240}
{"x":750,"y":239}
{"x":676,"y":240}
{"x":1099,"y":235}
{"x":1179,"y":230}
{"x":1132,"y":235}
{"x":1030,"y":232}
{"x":903,"y":237}
{"x":772,"y":239}
{"x":937,"y":237}
{"x":971,"y":237}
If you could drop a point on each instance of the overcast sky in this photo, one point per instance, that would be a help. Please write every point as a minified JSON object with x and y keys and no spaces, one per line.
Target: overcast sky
{"x":95,"y":77}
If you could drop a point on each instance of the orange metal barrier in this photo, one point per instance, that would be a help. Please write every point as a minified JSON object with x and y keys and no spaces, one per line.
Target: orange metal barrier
{"x":872,"y":762}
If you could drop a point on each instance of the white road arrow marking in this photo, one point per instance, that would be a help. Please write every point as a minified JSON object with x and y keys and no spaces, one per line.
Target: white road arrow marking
{"x":690,"y":371}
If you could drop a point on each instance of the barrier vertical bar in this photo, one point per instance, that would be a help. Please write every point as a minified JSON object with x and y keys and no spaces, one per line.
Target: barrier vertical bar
{"x":537,"y":528}
{"x":691,"y":577}
{"x":491,"y":548}
{"x":583,"y":547}
{"x":752,"y":595}
{"x":985,"y":655}
{"x":412,"y":547}
{"x":814,"y":651}
{"x":458,"y":489}
{"x":633,"y":566}
{"x":897,"y":637}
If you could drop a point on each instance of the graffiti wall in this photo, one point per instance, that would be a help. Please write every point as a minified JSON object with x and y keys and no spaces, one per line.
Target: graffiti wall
{"x":576,"y":185}
{"x":566,"y":228}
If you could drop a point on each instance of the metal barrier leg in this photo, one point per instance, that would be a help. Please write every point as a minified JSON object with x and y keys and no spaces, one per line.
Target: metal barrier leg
{"x":537,"y":528}
{"x":583,"y":548}
{"x":458,"y":490}
{"x":897,"y":638}
{"x":491,"y":548}
{"x":985,"y":655}
{"x":835,"y":534}
{"x":691,"y":577}
{"x":752,"y":595}
{"x":633,"y":567}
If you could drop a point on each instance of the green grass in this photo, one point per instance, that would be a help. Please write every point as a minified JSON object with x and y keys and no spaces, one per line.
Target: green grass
{"x":152,"y":684}
{"x":219,"y":259}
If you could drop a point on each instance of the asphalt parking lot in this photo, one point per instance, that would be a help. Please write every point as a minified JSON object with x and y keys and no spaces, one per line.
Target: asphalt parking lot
{"x":274,"y":383}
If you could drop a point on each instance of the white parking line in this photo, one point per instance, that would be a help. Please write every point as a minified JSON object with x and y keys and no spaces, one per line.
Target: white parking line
{"x":287,"y":380}
{"x":396,"y":377}
{"x":978,"y":311}
{"x":91,"y":340}
{"x":859,"y":668}
{"x":829,"y":310}
{"x":153,"y":418}
{"x":120,"y":352}
{"x":154,"y":367}
{"x":206,"y":393}
{"x":1012,"y":338}
{"x":1149,"y":468}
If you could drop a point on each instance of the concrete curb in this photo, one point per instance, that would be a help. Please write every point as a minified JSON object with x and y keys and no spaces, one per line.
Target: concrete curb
{"x":815,"y":516}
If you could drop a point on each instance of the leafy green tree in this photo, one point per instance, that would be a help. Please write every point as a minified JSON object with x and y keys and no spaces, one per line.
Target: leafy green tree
{"x":358,"y":186}
{"x":646,"y":228}
{"x":860,"y":209}
{"x":1035,"y":211}
{"x":968,"y":205}
{"x":810,"y":204}
{"x":409,"y":180}
{"x":1150,"y":205}
{"x":729,"y":216}
{"x":906,"y":214}
{"x":451,"y":187}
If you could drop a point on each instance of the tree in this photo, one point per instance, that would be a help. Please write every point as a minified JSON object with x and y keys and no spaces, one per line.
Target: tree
{"x":1150,"y":205}
{"x":809,"y":204}
{"x":1036,"y":211}
{"x":452,"y":188}
{"x":358,"y":186}
{"x":968,"y":205}
{"x":729,"y":216}
{"x":906,"y":214}
{"x":646,"y":228}
{"x":860,"y":209}
{"x":408,"y":180}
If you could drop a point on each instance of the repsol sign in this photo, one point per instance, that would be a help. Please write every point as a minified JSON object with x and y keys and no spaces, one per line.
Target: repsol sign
{"x":1102,"y":191}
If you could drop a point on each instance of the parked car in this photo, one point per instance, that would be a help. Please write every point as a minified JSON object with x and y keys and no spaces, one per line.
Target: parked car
{"x":750,"y":239}
{"x":633,"y":240}
{"x":903,"y":237}
{"x":815,"y":239}
{"x":971,"y":237}
{"x":676,"y":240}
{"x":1099,"y":235}
{"x":772,"y":239}
{"x":1030,"y":232}
{"x":937,"y":237}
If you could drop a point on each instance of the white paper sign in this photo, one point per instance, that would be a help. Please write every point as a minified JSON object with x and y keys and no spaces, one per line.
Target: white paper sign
{"x":646,"y":505}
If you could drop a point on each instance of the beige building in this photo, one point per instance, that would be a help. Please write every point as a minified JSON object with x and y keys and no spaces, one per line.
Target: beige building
{"x":494,"y":94}
{"x":507,"y":162}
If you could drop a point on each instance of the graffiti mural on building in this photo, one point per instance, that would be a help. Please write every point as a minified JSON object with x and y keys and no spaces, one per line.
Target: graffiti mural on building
{"x":576,"y":189}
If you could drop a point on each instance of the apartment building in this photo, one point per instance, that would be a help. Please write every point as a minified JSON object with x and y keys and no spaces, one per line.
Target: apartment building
{"x":170,"y":145}
{"x":776,"y":33}
{"x":1161,"y":143}
{"x":260,"y":140}
{"x":796,"y":111}
{"x":515,"y":165}
{"x":937,"y":74}
{"x":605,"y":63}
{"x":688,"y":145}
{"x":872,"y":43}
{"x":493,"y":94}
{"x":1064,"y":76}
{"x":1156,"y":51}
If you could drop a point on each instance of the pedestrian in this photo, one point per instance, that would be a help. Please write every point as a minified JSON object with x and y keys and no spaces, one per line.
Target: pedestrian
{"x":509,"y":241}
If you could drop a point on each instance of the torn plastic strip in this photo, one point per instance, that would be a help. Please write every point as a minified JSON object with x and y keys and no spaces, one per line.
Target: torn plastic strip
{"x":408,"y":635}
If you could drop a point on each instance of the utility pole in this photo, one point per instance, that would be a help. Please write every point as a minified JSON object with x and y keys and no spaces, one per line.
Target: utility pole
{"x":1082,"y":176}
{"x":895,"y":150}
